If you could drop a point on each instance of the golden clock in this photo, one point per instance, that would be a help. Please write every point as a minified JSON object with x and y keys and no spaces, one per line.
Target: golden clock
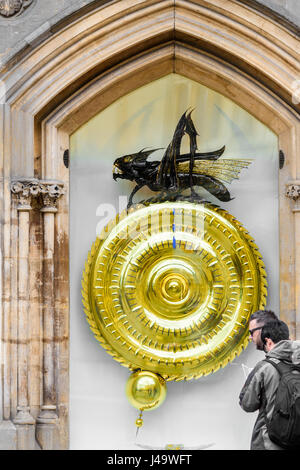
{"x":168,"y":287}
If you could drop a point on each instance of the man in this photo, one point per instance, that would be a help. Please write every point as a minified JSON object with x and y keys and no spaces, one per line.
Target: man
{"x":260,"y":388}
{"x":257,"y":321}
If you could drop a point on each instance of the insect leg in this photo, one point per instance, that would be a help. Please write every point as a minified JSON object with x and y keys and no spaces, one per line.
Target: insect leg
{"x":135,"y":190}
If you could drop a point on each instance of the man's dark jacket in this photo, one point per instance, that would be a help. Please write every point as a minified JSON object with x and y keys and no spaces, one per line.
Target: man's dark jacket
{"x":260,"y":388}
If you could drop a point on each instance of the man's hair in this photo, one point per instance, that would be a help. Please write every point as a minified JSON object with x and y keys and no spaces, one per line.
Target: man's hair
{"x":275,"y":330}
{"x":263,"y":316}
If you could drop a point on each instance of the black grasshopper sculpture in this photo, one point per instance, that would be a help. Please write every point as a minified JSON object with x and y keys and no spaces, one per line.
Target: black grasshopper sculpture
{"x":175,"y":172}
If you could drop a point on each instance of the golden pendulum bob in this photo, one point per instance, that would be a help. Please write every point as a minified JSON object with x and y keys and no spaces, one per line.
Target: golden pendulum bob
{"x":145,"y":391}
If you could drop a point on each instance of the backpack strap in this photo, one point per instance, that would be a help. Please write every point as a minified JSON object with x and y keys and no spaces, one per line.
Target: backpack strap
{"x":281,"y":366}
{"x":277,"y":365}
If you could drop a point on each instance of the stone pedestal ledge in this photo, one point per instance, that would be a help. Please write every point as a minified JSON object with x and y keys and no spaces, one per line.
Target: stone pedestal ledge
{"x":8,"y":436}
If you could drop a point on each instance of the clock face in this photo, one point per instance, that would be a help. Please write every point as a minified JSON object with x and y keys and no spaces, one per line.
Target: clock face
{"x":169,"y":287}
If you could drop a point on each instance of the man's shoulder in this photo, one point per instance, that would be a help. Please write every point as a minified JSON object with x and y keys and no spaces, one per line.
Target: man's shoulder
{"x":255,"y":372}
{"x":266,"y":372}
{"x":264,"y":365}
{"x":260,"y":364}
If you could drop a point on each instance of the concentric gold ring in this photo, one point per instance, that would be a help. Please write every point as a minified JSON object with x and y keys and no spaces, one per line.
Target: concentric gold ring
{"x":169,"y":287}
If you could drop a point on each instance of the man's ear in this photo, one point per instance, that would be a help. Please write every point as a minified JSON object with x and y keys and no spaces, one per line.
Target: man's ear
{"x":268,"y":344}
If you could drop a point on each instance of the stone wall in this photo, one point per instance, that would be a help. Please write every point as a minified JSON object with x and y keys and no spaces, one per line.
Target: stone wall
{"x":288,"y":9}
{"x":38,"y":20}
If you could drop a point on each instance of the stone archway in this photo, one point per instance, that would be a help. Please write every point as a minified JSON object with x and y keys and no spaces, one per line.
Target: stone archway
{"x":71,"y":76}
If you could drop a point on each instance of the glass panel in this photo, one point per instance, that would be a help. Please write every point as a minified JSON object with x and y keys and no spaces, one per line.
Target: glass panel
{"x":199,"y":412}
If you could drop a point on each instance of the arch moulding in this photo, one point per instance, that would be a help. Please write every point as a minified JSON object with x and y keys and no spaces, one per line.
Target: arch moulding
{"x":49,"y":93}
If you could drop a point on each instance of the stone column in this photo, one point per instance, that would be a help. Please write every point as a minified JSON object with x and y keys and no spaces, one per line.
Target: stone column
{"x":47,"y":420}
{"x":24,"y":422}
{"x":293,"y":192}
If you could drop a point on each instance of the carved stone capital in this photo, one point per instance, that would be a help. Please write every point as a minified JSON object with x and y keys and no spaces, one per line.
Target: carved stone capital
{"x":44,"y":193}
{"x":293,"y":192}
{"x":51,"y":191}
{"x":9,"y":8}
{"x":25,"y":190}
